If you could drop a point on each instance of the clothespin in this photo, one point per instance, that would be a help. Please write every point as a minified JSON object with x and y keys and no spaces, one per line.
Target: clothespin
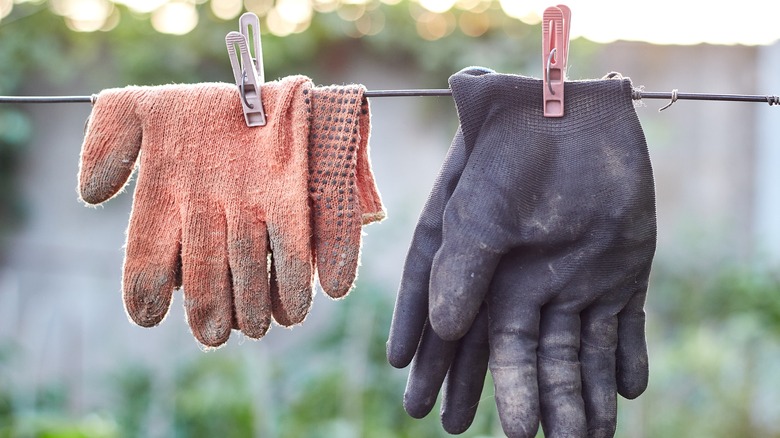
{"x":248,"y":71}
{"x":250,"y":21}
{"x":555,"y":50}
{"x":566,"y":30}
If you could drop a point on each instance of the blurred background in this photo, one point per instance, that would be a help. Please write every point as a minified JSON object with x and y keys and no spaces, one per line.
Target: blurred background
{"x":72,"y":365}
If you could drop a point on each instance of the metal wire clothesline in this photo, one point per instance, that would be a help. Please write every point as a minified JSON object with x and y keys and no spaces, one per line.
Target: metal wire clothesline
{"x":638,"y":94}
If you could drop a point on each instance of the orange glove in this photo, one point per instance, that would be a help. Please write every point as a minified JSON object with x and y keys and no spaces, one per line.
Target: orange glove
{"x":213,"y":199}
{"x":341,"y":185}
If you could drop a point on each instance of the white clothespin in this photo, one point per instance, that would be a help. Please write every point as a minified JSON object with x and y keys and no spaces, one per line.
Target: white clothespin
{"x":248,"y":71}
{"x":247,"y":22}
{"x":556,"y":23}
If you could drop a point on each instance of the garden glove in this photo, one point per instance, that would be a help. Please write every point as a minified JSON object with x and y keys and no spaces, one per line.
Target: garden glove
{"x":559,"y":223}
{"x":343,"y":193}
{"x":214,"y":199}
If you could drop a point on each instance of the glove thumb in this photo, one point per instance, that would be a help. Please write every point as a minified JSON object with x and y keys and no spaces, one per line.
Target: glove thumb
{"x":111,"y":145}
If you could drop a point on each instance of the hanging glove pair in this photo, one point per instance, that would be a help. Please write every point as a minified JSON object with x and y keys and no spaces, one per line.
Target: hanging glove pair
{"x":223,"y":209}
{"x":531,"y":257}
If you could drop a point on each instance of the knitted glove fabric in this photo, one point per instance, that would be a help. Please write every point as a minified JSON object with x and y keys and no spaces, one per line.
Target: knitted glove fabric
{"x":556,"y":217}
{"x":214,"y":198}
{"x":342,"y":190}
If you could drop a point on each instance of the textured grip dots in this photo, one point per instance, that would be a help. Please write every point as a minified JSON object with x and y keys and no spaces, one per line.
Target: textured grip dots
{"x":335,"y":143}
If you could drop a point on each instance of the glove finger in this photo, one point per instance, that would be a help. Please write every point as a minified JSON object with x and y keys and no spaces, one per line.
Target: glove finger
{"x":560,"y":382}
{"x":409,"y":316}
{"x":411,"y":305}
{"x":466,"y":377}
{"x":205,"y":275}
{"x":337,"y":257}
{"x":370,"y":202}
{"x":291,"y":278}
{"x":429,"y":368}
{"x":477,"y":230}
{"x":632,"y":361}
{"x":111,"y":145}
{"x":152,"y":266}
{"x":248,"y":255}
{"x":599,"y":386}
{"x":460,"y":277}
{"x":336,"y":209}
{"x":514,"y":334}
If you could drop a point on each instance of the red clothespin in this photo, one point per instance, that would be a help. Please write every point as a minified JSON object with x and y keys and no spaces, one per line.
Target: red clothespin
{"x":555,"y":50}
{"x":566,"y":30}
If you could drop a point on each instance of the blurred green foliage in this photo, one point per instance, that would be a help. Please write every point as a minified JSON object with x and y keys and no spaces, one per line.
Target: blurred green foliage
{"x":15,"y":131}
{"x":337,"y":384}
{"x":713,"y":293}
{"x":714,"y":333}
{"x":712,"y":375}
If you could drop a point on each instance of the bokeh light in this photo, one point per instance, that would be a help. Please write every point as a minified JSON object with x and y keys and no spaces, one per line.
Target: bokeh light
{"x":259,"y":7}
{"x":278,"y":25}
{"x":351,"y":12}
{"x":438,"y":6}
{"x":142,"y":6}
{"x":751,"y":22}
{"x":432,"y":26}
{"x":370,"y":24}
{"x":83,"y":15}
{"x":289,"y":16}
{"x":176,"y":18}
{"x":474,"y":25}
{"x":528,"y":12}
{"x":475,"y":6}
{"x":325,"y":6}
{"x":6,"y":6}
{"x":226,"y":9}
{"x":294,"y":11}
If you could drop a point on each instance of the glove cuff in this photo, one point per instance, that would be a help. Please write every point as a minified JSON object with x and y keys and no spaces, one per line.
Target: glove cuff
{"x":482,"y":96}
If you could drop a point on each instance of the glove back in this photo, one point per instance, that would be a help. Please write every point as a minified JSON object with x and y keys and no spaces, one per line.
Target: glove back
{"x":214,"y":201}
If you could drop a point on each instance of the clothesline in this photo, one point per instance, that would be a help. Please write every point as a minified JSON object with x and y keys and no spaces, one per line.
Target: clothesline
{"x":638,"y":94}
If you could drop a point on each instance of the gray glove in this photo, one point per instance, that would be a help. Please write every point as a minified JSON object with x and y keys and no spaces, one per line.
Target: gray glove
{"x":559,"y":224}
{"x":434,"y":357}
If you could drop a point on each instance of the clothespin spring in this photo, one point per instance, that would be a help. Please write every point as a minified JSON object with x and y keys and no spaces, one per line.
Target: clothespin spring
{"x":549,"y":67}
